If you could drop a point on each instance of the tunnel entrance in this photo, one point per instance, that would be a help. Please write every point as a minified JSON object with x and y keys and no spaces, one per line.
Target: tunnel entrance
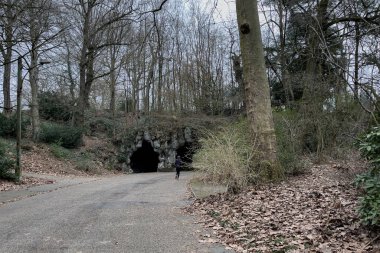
{"x":144,"y":159}
{"x":186,"y":153}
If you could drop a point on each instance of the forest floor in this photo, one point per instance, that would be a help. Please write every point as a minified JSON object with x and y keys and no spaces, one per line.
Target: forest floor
{"x":43,"y":159}
{"x":313,"y":212}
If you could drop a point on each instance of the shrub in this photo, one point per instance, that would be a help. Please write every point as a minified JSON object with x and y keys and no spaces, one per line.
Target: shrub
{"x":53,"y":106}
{"x":60,"y":152}
{"x":85,"y":161}
{"x":369,"y":146}
{"x":327,"y":133}
{"x":227,"y":157}
{"x":100,"y":125}
{"x":289,"y":148}
{"x":85,"y":165}
{"x":8,"y":125}
{"x":369,"y":209}
{"x":67,"y":136}
{"x":6,"y":164}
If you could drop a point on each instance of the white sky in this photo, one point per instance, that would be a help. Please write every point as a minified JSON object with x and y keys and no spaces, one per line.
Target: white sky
{"x":225,"y":10}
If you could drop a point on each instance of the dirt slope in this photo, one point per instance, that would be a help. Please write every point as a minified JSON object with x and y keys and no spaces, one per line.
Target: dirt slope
{"x":93,"y":158}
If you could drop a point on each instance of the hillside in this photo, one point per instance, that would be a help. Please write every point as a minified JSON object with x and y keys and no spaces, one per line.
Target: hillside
{"x":97,"y":156}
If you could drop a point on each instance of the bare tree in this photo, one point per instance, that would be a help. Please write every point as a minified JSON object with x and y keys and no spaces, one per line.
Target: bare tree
{"x":8,"y":18}
{"x":96,"y":17}
{"x":258,"y":104}
{"x":38,"y":23}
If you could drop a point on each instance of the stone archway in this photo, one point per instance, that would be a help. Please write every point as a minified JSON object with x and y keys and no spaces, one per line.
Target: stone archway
{"x":144,"y":159}
{"x":155,"y":151}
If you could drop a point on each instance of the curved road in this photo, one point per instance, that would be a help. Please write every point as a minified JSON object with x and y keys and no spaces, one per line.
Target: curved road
{"x":130,"y":213}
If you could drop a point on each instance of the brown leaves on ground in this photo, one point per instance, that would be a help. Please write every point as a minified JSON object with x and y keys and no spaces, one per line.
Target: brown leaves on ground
{"x":41,"y":161}
{"x":310,"y":213}
{"x":38,"y":159}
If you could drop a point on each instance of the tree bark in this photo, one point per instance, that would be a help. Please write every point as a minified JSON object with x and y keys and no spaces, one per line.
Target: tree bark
{"x":356,"y":70}
{"x":33,"y":72}
{"x":6,"y":51}
{"x":286,"y":84}
{"x":7,"y":81}
{"x":113,"y":80}
{"x":314,"y":91}
{"x":18,"y":169}
{"x":314,"y":79}
{"x":33,"y":75}
{"x":83,"y":67}
{"x":160,"y":60}
{"x":257,"y":93}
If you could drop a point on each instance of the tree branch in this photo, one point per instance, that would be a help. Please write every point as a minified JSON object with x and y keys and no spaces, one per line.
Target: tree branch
{"x":155,"y":10}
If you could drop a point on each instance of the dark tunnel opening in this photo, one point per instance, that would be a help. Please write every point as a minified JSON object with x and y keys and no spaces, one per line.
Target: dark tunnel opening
{"x":144,"y":159}
{"x":186,"y":153}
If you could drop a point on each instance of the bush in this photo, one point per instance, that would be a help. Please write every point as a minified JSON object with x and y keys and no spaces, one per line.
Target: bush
{"x":6,"y":164}
{"x":100,"y":125}
{"x":85,"y":161}
{"x":327,"y":132}
{"x":60,"y":152}
{"x":66,"y":136}
{"x":227,"y":157}
{"x":369,"y":209}
{"x":85,"y":165}
{"x":8,"y":125}
{"x":53,"y":106}
{"x":369,"y":146}
{"x":289,"y":148}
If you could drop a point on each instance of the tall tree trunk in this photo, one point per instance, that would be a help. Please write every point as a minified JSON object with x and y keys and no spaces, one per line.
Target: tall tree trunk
{"x":174,"y":95}
{"x":7,"y":81}
{"x":33,"y":75}
{"x":159,"y":84}
{"x":286,"y":84}
{"x":6,"y":51}
{"x":356,"y":70}
{"x":90,"y":76}
{"x":33,"y":72}
{"x":314,"y":92}
{"x":314,"y":80}
{"x":150,"y":81}
{"x":82,"y":102}
{"x":69,"y":71}
{"x":257,"y":94}
{"x":113,"y":81}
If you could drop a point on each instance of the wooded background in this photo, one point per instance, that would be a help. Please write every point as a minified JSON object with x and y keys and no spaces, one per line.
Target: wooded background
{"x":322,"y":58}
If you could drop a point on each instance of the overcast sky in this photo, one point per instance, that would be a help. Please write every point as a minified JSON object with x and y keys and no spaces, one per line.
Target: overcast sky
{"x":224,"y":11}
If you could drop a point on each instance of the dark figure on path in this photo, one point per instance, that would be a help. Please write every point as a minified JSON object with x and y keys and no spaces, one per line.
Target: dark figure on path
{"x":178,"y":164}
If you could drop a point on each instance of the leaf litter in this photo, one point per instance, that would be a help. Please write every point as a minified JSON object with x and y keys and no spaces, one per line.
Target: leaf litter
{"x":38,"y":160}
{"x":314,"y":212}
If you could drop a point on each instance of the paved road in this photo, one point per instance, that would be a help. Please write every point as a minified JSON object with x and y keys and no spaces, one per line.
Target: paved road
{"x":131,"y":213}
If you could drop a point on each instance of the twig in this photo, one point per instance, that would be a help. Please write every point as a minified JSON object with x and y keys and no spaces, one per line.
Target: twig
{"x":369,"y":243}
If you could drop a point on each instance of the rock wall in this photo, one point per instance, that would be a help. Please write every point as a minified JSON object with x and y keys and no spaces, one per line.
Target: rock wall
{"x":164,"y":144}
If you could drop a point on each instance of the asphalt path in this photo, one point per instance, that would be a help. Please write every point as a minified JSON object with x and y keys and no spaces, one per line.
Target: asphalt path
{"x":130,"y":213}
